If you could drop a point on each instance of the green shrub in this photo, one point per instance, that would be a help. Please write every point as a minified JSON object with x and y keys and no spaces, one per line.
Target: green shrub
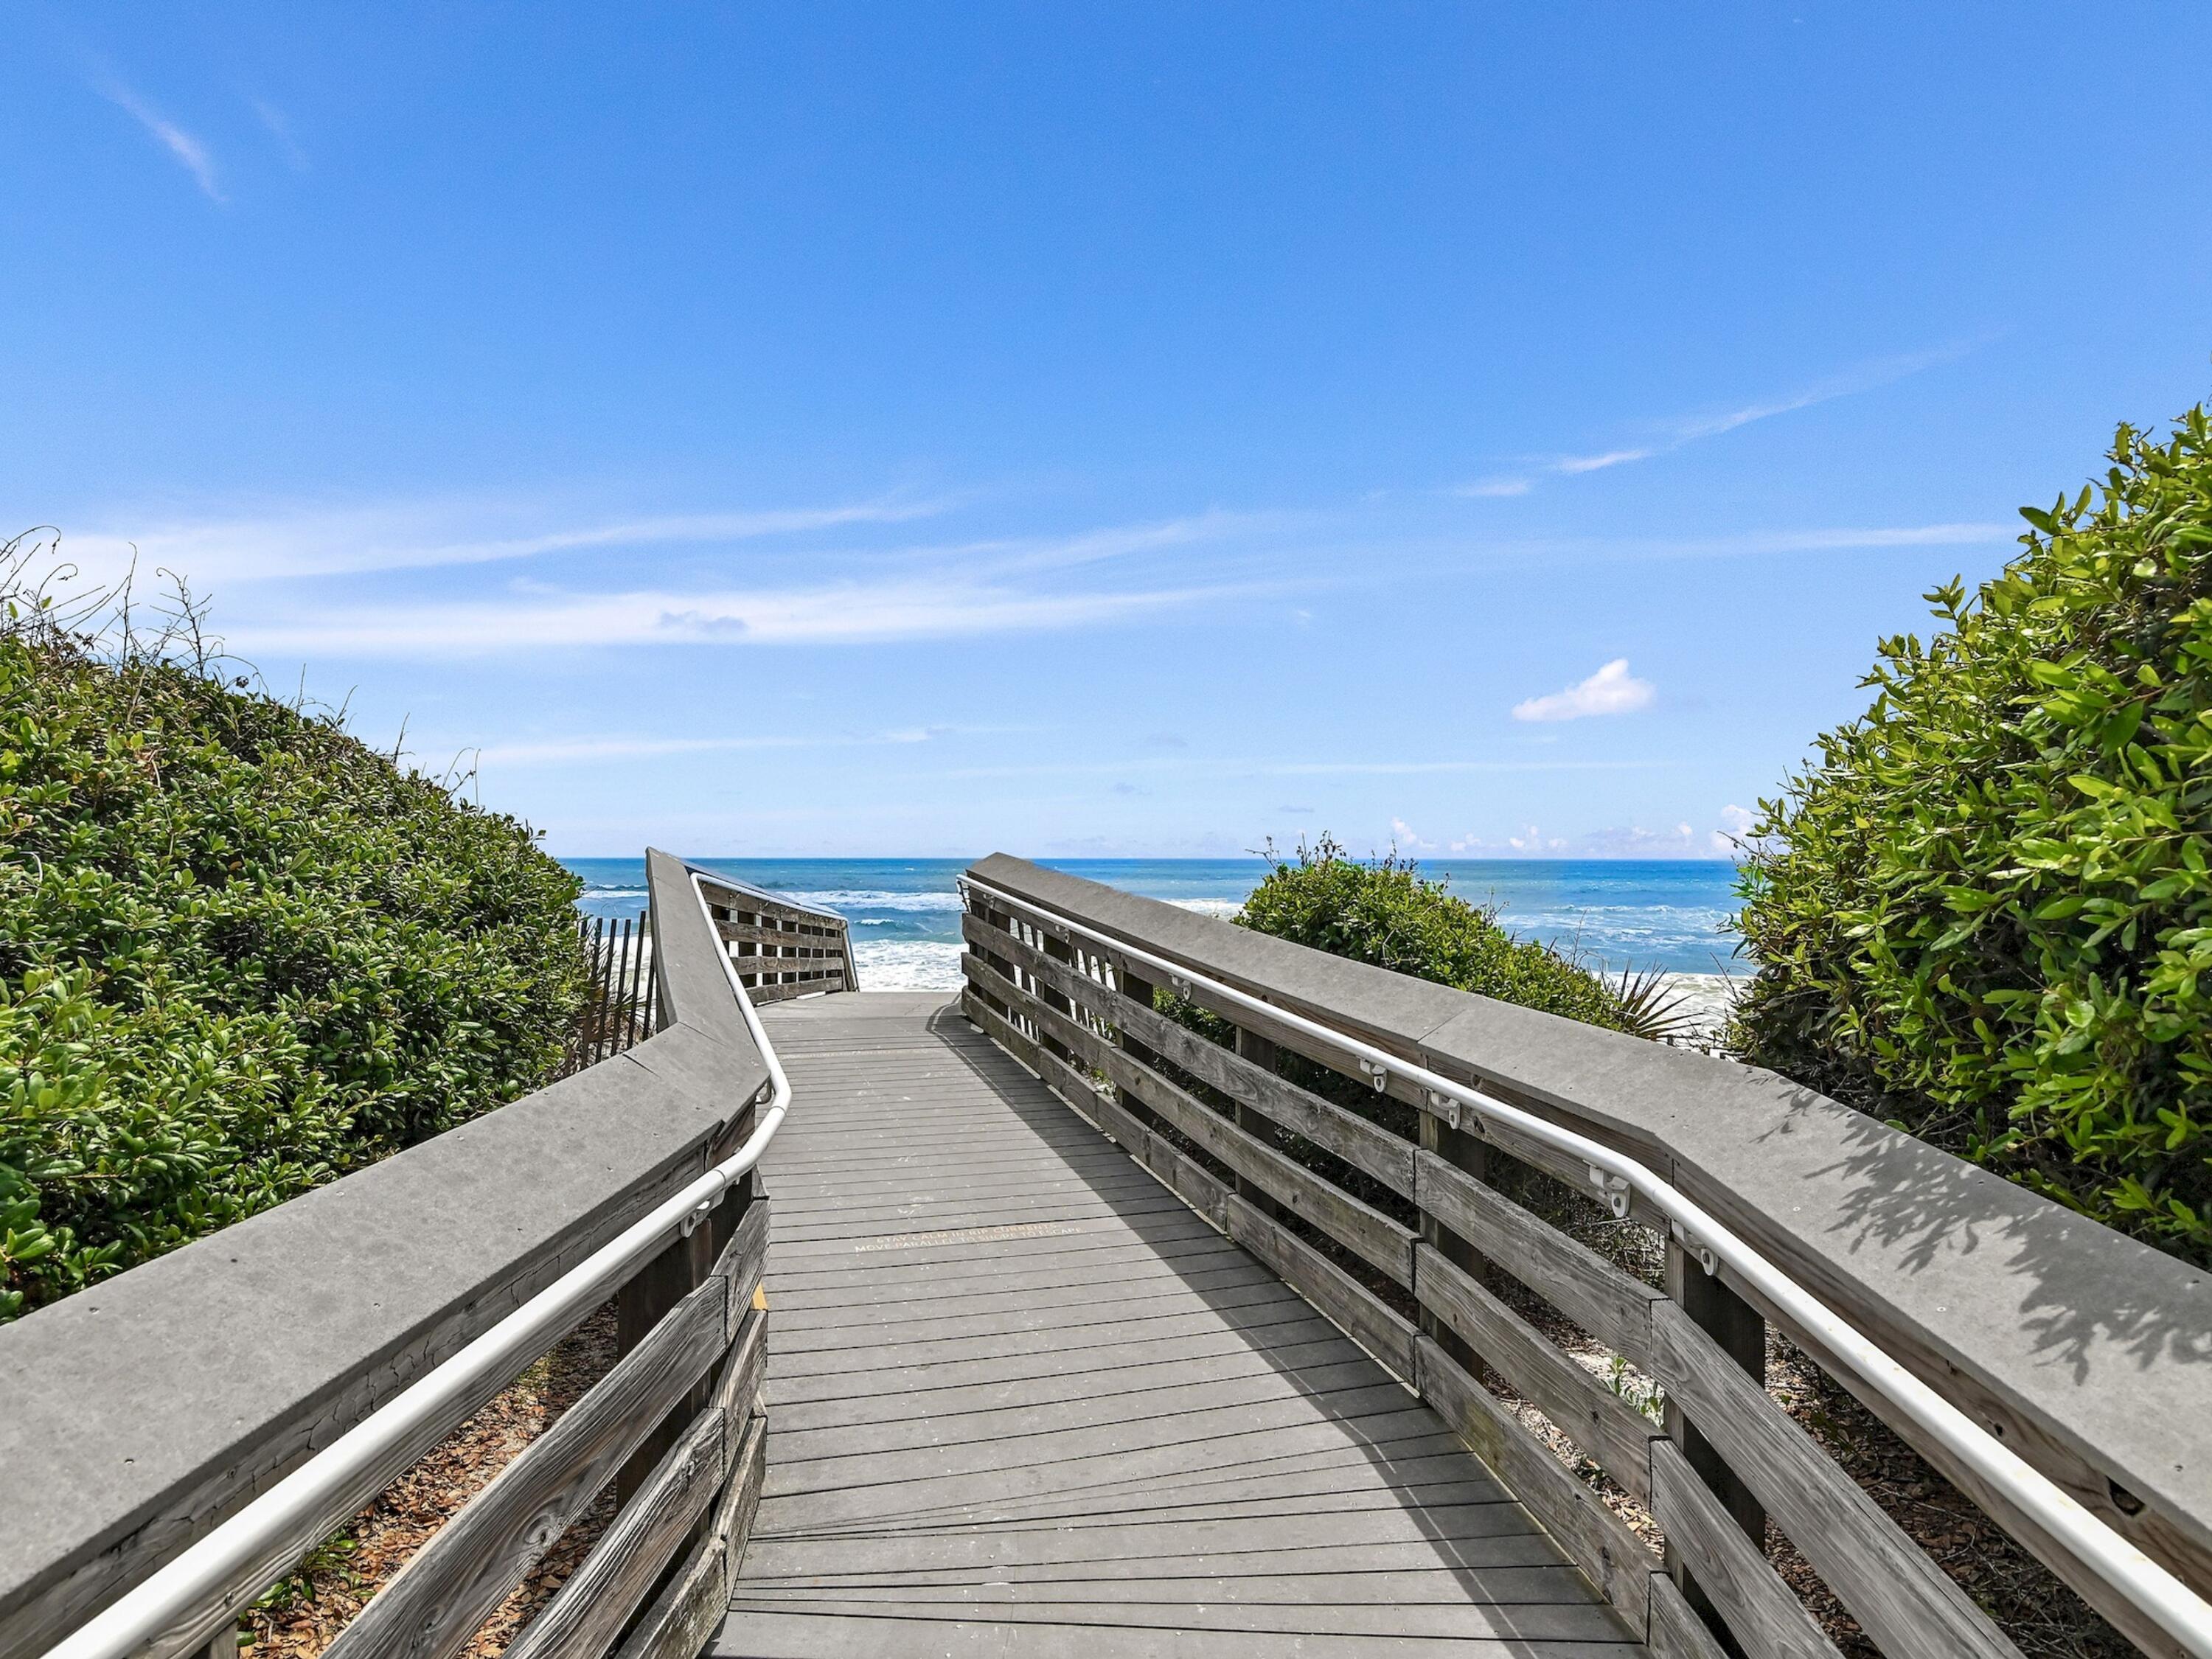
{"x":241,"y":953}
{"x":1986,"y":911}
{"x":1386,"y":914}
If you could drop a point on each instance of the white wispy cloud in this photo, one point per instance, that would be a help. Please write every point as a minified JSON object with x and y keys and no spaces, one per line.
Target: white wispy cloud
{"x":842,"y":613}
{"x":1754,"y":543}
{"x":300,"y":542}
{"x":1612,"y":690}
{"x":1674,"y":434}
{"x":280,"y":129}
{"x":570,"y":750}
{"x":1122,"y":541}
{"x":1225,"y":766}
{"x":189,"y":152}
{"x":1573,"y":464}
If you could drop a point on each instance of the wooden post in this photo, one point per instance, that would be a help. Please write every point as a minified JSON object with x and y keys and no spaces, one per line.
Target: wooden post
{"x":1059,"y":950}
{"x":996,"y":920}
{"x":1260,"y":1051}
{"x":1139,"y":991}
{"x":663,"y":1282}
{"x":1740,"y":1331}
{"x":1463,"y":1152}
{"x":640,"y":1305}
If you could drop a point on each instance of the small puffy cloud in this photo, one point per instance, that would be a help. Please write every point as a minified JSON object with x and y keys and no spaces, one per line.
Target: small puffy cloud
{"x":1735,"y":827}
{"x":1533,"y":839}
{"x":1612,"y":690}
{"x":1404,"y":835}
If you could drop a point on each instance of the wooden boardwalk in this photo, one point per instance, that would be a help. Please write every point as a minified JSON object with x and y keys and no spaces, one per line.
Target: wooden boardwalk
{"x":1025,"y":1403}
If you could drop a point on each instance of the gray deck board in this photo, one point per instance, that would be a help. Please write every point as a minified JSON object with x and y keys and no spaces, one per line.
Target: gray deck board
{"x":1023,"y":1403}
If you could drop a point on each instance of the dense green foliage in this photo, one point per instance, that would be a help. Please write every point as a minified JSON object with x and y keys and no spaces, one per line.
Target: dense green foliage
{"x":1986,"y":911}
{"x":1385,"y":912}
{"x":241,"y":953}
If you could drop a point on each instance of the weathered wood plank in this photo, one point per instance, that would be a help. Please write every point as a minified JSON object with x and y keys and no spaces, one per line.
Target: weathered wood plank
{"x":765,"y":993}
{"x":1370,"y":1235}
{"x":1676,"y":1630}
{"x":1322,"y":1050}
{"x":1597,"y":1295}
{"x":1364,"y":1144}
{"x":1614,"y":1433}
{"x":1760,"y":1610}
{"x":1063,"y":1079}
{"x":777,"y":930}
{"x":1359,"y":1227}
{"x":813,"y":962}
{"x":738,"y":1393}
{"x":1358,"y":1310}
{"x":1612,"y":1557}
{"x":1903,"y":1601}
{"x":590,"y":1609}
{"x":685,"y":1614}
{"x":1195,"y":1186}
{"x":741,"y":1264}
{"x":739,"y":1503}
{"x":435,"y":1602}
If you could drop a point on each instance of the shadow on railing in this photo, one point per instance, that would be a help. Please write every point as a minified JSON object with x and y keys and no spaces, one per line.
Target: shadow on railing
{"x":1395,"y":1215}
{"x":176,"y":1439}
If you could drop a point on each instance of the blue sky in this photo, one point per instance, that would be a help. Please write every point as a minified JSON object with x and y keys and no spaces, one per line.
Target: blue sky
{"x":853,"y":431}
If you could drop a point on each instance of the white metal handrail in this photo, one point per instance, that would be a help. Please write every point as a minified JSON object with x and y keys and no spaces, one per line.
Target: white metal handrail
{"x":232,"y":1561}
{"x":2126,"y":1570}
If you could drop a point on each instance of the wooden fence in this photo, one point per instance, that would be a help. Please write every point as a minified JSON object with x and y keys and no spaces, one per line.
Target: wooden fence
{"x":1403,"y":1237}
{"x":618,"y":1002}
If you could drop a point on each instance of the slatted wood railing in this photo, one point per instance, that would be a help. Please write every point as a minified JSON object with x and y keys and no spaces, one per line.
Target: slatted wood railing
{"x":1392,"y":1222}
{"x":291,"y":1366}
{"x":779,"y":947}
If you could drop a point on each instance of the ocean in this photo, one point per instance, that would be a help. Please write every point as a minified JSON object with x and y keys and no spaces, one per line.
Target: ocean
{"x":905,"y":913}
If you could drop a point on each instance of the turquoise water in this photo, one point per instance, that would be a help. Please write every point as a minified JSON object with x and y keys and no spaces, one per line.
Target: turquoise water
{"x":905,"y":913}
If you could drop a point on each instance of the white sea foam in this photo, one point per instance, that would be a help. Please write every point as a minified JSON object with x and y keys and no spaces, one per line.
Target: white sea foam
{"x":893,"y":964}
{"x":1210,"y":906}
{"x":863,"y":899}
{"x":1707,"y":999}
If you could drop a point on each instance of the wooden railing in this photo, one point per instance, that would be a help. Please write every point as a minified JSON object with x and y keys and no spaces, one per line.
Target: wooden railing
{"x":2084,"y":1351}
{"x":173,"y":1439}
{"x":781,"y":948}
